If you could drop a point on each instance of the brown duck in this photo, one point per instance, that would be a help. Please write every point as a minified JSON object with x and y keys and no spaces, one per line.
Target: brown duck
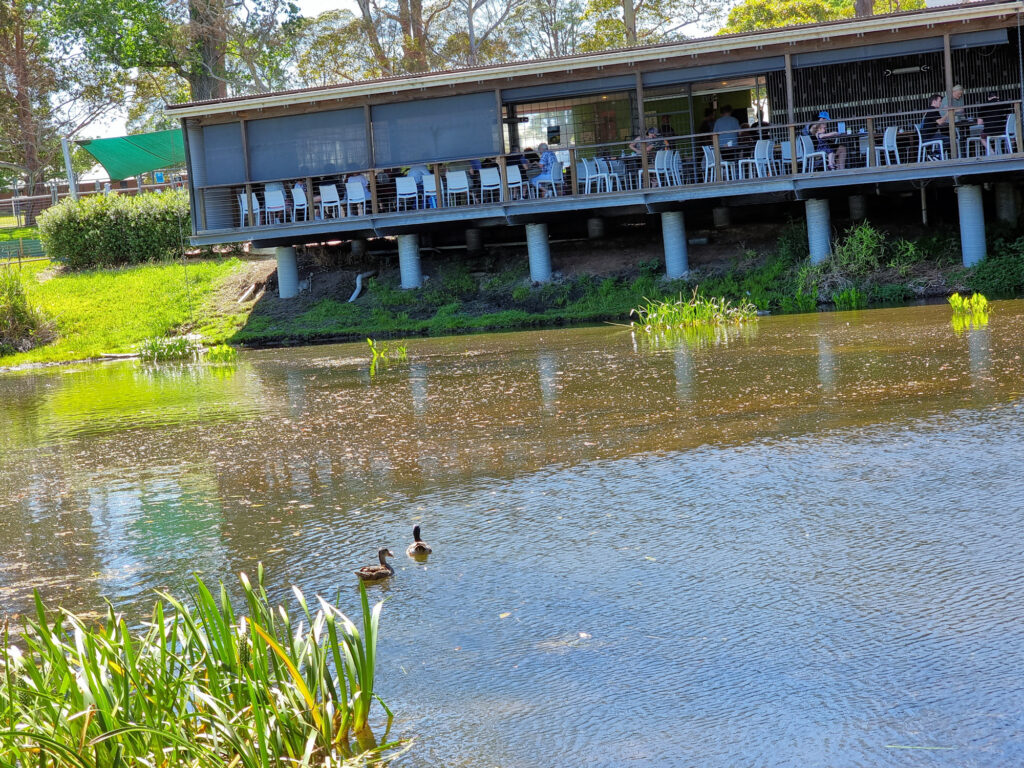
{"x":419,"y":546}
{"x":375,"y":572}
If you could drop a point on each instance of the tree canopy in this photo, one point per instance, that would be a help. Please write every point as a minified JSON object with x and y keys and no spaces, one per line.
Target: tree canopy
{"x":752,"y":15}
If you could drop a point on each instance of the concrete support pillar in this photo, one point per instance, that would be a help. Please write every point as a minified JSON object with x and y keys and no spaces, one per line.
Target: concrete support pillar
{"x":673,"y":232}
{"x":972,"y":223}
{"x":359,"y":248}
{"x":1006,"y":202}
{"x":540,"y":254}
{"x":721,"y":217}
{"x":287,"y":273}
{"x":858,"y":207}
{"x":474,"y":240}
{"x":819,"y":229}
{"x":595,"y":228}
{"x":409,"y":261}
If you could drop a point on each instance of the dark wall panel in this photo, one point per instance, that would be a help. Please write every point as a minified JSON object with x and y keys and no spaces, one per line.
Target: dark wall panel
{"x":317,"y":144}
{"x":222,"y":149}
{"x":436,"y":129}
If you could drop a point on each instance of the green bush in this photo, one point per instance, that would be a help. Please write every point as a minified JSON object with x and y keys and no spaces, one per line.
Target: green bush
{"x":891,"y":293}
{"x":861,"y":252}
{"x":1002,"y":271}
{"x":850,"y":298}
{"x":22,"y":327}
{"x":111,"y":230}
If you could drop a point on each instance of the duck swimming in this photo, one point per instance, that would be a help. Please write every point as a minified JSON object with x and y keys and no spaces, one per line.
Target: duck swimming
{"x":418,"y":547}
{"x":375,"y":572}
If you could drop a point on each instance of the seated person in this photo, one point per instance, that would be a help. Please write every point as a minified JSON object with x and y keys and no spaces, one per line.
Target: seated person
{"x":650,"y":144}
{"x":416,"y":171}
{"x":955,"y":99}
{"x":991,"y":119}
{"x":934,"y":124}
{"x":362,"y":180}
{"x":546,"y":164}
{"x":531,"y":157}
{"x":824,"y":141}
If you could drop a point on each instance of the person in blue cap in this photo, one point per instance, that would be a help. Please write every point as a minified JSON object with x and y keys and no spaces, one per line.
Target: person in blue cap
{"x":825,"y":141}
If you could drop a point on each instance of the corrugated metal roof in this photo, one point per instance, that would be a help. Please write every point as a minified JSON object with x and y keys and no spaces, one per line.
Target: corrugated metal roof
{"x":606,"y":57}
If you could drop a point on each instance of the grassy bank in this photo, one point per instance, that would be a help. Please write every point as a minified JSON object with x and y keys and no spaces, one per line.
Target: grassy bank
{"x":104,"y":311}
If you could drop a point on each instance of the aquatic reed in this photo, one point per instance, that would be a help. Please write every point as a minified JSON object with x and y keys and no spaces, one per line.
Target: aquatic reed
{"x":221,"y":353}
{"x":849,"y":298}
{"x":160,"y":350}
{"x":199,"y":685}
{"x":968,"y":312}
{"x":699,"y":310}
{"x":383,"y":353}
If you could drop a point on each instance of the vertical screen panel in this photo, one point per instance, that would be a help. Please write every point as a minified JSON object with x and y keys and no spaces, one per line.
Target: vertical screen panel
{"x":436,"y":129}
{"x":317,"y":144}
{"x":222,"y":150}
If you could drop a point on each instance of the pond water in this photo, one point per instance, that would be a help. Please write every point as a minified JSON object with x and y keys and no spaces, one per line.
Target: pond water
{"x":791,"y":546}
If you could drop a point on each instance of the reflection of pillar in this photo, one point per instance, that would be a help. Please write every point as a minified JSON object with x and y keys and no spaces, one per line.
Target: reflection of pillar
{"x":409,"y":261}
{"x":972,"y":223}
{"x":296,"y":387}
{"x":826,"y":364}
{"x":547,"y":373}
{"x":684,"y":373}
{"x":673,"y":232}
{"x":287,"y":273}
{"x":819,"y":230}
{"x":418,"y":387}
{"x":978,"y":342}
{"x":540,"y":254}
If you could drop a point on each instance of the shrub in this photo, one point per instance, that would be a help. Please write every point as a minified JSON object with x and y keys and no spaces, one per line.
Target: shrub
{"x":904,"y":254}
{"x":860,"y":252}
{"x":112,"y":230}
{"x":891,"y":293}
{"x":22,"y":326}
{"x":1002,"y":271}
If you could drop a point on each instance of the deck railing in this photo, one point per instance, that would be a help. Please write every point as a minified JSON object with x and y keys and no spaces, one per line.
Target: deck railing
{"x":617,"y":168}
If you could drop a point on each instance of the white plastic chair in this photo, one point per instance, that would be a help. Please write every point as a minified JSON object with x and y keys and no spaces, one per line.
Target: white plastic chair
{"x":926,"y":149}
{"x":888,"y":148}
{"x":243,"y":206}
{"x":457,"y":183}
{"x":490,"y":181}
{"x":299,"y":203}
{"x":555,"y":180}
{"x":711,"y":169}
{"x":273,"y":203}
{"x":785,"y":163}
{"x":329,"y":199}
{"x":809,"y":153}
{"x":406,"y":191}
{"x":589,"y":176}
{"x":516,"y":183}
{"x":998,"y":145}
{"x":614,"y":179}
{"x":355,"y":195}
{"x":429,"y":190}
{"x":760,"y":164}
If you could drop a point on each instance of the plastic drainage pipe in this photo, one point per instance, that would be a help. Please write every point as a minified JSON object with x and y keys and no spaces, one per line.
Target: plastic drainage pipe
{"x":287,"y":273}
{"x":540,"y":255}
{"x":359,"y":286}
{"x":972,"y":223}
{"x":673,"y":232}
{"x":819,"y":230}
{"x":409,"y":261}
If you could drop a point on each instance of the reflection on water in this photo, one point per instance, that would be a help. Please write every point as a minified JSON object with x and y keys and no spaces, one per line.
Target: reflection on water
{"x":791,"y":545}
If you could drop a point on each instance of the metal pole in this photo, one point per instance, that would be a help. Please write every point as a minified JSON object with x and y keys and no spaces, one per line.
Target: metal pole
{"x":72,"y":187}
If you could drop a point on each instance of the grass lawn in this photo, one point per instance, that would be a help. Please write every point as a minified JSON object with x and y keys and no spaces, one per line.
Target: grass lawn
{"x":18,"y":233}
{"x":112,"y":310}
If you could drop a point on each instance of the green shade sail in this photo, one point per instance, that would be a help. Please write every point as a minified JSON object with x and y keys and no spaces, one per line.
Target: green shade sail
{"x":128,"y":156}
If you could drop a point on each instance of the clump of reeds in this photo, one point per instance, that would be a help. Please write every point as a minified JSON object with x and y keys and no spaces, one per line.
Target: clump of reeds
{"x":177,"y":348}
{"x":698,"y":310}
{"x":221,"y":353}
{"x":383,"y":353}
{"x":199,"y":685}
{"x":968,"y":311}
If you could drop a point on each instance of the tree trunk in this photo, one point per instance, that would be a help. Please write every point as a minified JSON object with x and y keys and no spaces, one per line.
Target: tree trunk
{"x":206,"y":77}
{"x":28,"y":125}
{"x":863,"y":7}
{"x":629,"y":19}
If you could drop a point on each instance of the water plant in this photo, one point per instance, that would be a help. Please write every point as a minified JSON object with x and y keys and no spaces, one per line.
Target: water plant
{"x":198,"y":685}
{"x":222,"y":353}
{"x":159,"y":350}
{"x":969,"y":311}
{"x":22,"y":326}
{"x":384,"y":353}
{"x":698,"y":310}
{"x":850,"y":298}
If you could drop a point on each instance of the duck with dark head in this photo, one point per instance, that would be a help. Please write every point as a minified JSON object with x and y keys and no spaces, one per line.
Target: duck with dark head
{"x":377,"y":572}
{"x":419,"y":547}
